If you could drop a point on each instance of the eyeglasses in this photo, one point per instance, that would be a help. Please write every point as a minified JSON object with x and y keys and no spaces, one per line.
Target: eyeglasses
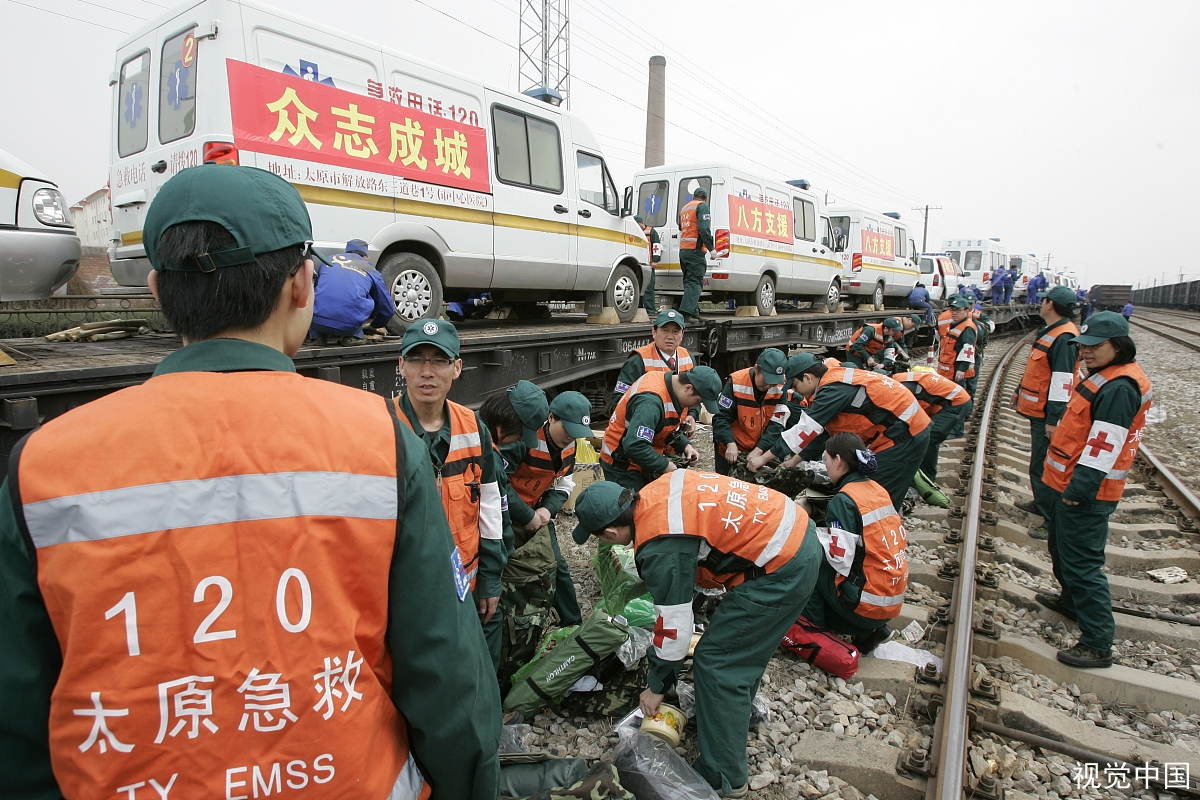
{"x":438,"y":362}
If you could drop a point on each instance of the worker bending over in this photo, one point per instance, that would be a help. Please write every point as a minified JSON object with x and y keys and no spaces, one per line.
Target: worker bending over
{"x":350,"y":293}
{"x":747,"y":403}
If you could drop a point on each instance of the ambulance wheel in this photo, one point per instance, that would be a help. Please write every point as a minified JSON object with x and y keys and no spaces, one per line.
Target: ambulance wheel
{"x":623,"y":293}
{"x":878,"y":297}
{"x":833,"y":297}
{"x":415,"y":287}
{"x":764,"y":296}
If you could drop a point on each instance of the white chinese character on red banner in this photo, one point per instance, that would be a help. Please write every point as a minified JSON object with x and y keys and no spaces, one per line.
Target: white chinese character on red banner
{"x":100,"y":716}
{"x":190,"y":702}
{"x":264,"y":694}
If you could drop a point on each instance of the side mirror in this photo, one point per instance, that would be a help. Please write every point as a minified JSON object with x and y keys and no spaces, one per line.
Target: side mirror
{"x":627,"y":202}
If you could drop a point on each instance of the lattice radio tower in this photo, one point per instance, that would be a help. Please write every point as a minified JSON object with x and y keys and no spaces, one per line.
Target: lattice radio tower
{"x":545,"y":59}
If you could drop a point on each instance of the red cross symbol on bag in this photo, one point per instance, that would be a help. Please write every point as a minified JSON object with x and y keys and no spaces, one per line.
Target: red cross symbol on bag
{"x":661,"y":633}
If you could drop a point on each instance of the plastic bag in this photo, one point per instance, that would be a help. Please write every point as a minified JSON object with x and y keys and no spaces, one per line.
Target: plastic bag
{"x":686,"y":692}
{"x":638,"y":611}
{"x":633,"y":649}
{"x":512,"y":738}
{"x":653,"y":771}
{"x":619,"y":579}
{"x":760,"y":709}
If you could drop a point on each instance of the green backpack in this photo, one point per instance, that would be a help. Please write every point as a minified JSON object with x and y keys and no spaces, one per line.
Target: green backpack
{"x":527,"y":601}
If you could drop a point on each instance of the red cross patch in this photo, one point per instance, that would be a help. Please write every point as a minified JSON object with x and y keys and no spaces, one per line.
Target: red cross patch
{"x":835,"y":550}
{"x":1099,"y":442}
{"x":662,"y":633}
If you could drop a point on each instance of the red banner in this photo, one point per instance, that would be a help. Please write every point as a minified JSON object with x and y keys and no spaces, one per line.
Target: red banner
{"x":757,"y":219}
{"x":878,"y":245}
{"x":287,"y":116}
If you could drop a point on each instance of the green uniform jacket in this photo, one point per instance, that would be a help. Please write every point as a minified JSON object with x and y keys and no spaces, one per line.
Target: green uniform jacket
{"x":668,"y":566}
{"x":509,"y":541}
{"x":843,"y":510}
{"x":859,"y":346}
{"x":491,"y":551}
{"x":1061,"y":357}
{"x":654,"y":239}
{"x":634,"y":368}
{"x":1117,"y":402}
{"x":645,"y":410}
{"x":969,"y":336}
{"x":552,"y":500}
{"x":727,"y":415}
{"x":829,"y":401}
{"x":704,"y":228}
{"x":442,"y":677}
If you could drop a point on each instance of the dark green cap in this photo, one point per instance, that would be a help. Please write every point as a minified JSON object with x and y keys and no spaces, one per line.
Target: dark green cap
{"x":669,"y":315}
{"x":1061,"y":295}
{"x":917,"y":319}
{"x":797,"y":364}
{"x":575,"y":412}
{"x":892,"y":323}
{"x":959,"y":301}
{"x":705,"y":381}
{"x":772,"y":363}
{"x":1101,"y":327}
{"x":596,"y":508}
{"x":261,"y":210}
{"x":639,"y":220}
{"x":530,"y":404}
{"x":439,"y":333}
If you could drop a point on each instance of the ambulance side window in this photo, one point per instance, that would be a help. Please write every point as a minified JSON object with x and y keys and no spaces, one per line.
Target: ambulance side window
{"x":652,"y":203}
{"x":528,"y":152}
{"x":133,"y":95}
{"x":686,"y":187}
{"x":595,"y":185}
{"x":900,"y":237}
{"x":806,"y":219}
{"x":177,"y":87}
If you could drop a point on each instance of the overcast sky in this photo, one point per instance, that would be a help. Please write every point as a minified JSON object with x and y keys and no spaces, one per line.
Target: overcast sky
{"x":1059,"y":127}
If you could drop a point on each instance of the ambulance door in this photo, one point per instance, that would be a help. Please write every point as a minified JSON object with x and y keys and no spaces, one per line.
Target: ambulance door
{"x":653,"y":199}
{"x":535,"y":207}
{"x":129,"y":174}
{"x":601,"y":230}
{"x":173,"y":144}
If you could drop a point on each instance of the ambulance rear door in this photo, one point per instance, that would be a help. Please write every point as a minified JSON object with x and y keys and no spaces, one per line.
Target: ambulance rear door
{"x":652,"y":205}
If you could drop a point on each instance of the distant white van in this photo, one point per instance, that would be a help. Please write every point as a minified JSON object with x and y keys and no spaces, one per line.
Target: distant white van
{"x":457,"y":187}
{"x":977,"y":259}
{"x":772,"y":237}
{"x":877,"y":257}
{"x":1027,"y":265}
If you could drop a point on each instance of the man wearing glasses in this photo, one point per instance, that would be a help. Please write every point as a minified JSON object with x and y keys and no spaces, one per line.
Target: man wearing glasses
{"x":460,"y":449}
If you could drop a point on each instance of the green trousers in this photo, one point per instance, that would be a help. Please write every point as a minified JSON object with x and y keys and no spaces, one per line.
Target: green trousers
{"x":649,"y":302}
{"x":730,"y":659}
{"x":939,"y":431}
{"x":493,"y":634}
{"x":960,"y":426}
{"x":694,"y":267}
{"x":1078,"y":535}
{"x":898,"y":464}
{"x":629,"y":478}
{"x":565,"y":602}
{"x":826,"y":610}
{"x":1039,"y":445}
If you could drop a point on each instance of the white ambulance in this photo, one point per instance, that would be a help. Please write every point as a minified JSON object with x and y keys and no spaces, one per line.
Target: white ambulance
{"x":457,"y":187}
{"x":977,"y":259}
{"x":772,"y":237}
{"x":878,"y":258}
{"x":1027,"y":265}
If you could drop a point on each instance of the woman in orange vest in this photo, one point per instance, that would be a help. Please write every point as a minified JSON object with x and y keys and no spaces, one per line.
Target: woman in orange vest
{"x":1090,"y":455}
{"x":748,"y":403}
{"x":688,"y":528}
{"x":865,"y":572}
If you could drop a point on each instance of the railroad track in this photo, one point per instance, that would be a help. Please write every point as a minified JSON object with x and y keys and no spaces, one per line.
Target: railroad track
{"x":1156,"y":328}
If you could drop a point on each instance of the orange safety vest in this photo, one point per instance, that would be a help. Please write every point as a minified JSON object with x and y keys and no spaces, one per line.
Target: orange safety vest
{"x":460,"y":481}
{"x":886,"y":414}
{"x":948,"y":349}
{"x":689,"y":227}
{"x":760,"y":525}
{"x":883,"y":555}
{"x":1039,"y":383}
{"x":536,"y":473}
{"x":877,"y":343}
{"x":933,"y":391}
{"x":221,"y":606}
{"x":1096,"y":444}
{"x":752,"y":416}
{"x":654,"y":383}
{"x":653,"y":361}
{"x":944,"y":321}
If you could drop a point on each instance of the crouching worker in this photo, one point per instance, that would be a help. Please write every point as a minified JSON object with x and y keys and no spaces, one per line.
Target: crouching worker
{"x":349,"y":294}
{"x":862,"y":580}
{"x":687,"y":528}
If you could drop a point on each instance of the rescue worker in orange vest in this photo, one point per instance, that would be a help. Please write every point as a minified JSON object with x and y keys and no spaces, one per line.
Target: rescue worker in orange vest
{"x":256,"y":586}
{"x":956,"y":347}
{"x":943,"y":400}
{"x":895,"y":355}
{"x":539,"y":475}
{"x":748,"y":403}
{"x":695,"y":239}
{"x":876,"y":407}
{"x":459,"y":448}
{"x":865,"y":572}
{"x":692,"y":528}
{"x":663,"y":353}
{"x":646,"y":422}
{"x":1093,"y":448}
{"x":1045,"y":391}
{"x":865,"y":348}
{"x":653,"y":257}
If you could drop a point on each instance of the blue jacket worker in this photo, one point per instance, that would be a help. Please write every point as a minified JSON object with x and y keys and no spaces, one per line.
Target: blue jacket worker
{"x":919,"y":298}
{"x":1010,"y":279}
{"x":350,"y":293}
{"x":1127,"y":311}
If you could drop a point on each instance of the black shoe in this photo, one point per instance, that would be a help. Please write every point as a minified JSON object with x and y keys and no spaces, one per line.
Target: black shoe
{"x":688,"y":319}
{"x":866,"y":644}
{"x":1054,"y":603}
{"x":1086,"y":657}
{"x":1028,"y":508}
{"x":1040,"y":533}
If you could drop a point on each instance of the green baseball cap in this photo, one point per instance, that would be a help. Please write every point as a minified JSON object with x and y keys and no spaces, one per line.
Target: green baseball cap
{"x":439,"y":333}
{"x":959,"y":301}
{"x":1101,"y":327}
{"x":575,"y":412}
{"x":638,"y":219}
{"x":530,"y":404}
{"x":705,"y":381}
{"x":261,"y":210}
{"x":596,"y":507}
{"x":669,"y":315}
{"x":1061,"y":295}
{"x":772,"y":363}
{"x":893,"y":324}
{"x":917,"y":319}
{"x":797,"y":364}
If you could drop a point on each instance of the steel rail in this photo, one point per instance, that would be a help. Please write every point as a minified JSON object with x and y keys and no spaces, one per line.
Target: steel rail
{"x":1185,"y":342}
{"x":1172,"y":486}
{"x":952,"y":727}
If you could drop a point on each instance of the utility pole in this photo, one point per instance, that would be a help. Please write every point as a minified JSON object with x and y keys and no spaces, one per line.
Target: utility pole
{"x":545,"y":50}
{"x":925,"y":233}
{"x":1048,"y":263}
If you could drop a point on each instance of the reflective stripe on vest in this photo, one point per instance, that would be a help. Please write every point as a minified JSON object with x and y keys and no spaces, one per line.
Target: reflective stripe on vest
{"x":884,"y":555}
{"x":611,"y":452}
{"x":1039,"y":384}
{"x":933,"y":391}
{"x":536,"y":473}
{"x":734,"y":518}
{"x":1079,"y":439}
{"x":752,"y":415}
{"x":460,"y":480}
{"x":873,"y":345}
{"x":653,"y":361}
{"x":689,"y":228}
{"x":948,"y":349}
{"x":222,"y":603}
{"x":883,"y":413}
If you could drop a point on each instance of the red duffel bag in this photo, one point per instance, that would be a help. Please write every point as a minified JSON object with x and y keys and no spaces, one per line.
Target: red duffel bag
{"x":828,"y":651}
